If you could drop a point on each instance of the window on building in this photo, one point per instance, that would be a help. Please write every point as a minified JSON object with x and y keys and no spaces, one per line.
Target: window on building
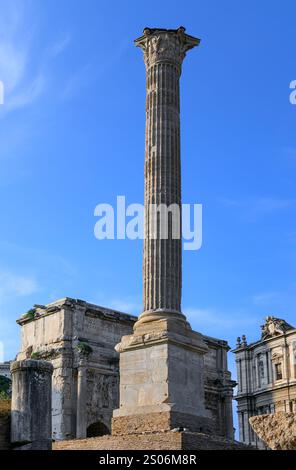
{"x":278,"y":371}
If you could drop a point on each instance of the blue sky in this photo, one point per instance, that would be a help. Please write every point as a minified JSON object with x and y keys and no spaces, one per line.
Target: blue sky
{"x":72,"y":136}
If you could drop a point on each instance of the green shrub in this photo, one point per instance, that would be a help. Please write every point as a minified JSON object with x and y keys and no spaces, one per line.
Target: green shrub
{"x":5,"y":387}
{"x":84,"y":348}
{"x":30,"y":314}
{"x":35,"y":355}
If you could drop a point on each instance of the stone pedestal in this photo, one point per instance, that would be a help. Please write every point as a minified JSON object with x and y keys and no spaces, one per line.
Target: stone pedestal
{"x":161,"y":380}
{"x":31,"y":405}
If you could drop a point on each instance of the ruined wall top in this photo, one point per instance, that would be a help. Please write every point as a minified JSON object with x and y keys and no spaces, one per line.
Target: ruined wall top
{"x":165,"y":45}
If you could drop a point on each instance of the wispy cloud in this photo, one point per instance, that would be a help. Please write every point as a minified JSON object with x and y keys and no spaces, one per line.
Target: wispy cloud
{"x":24,"y":79}
{"x":261,"y":206}
{"x":265,"y":298}
{"x":59,"y":46}
{"x":126,"y":306}
{"x":12,"y":285}
{"x":78,"y":81}
{"x":39,"y":258}
{"x":28,"y":94}
{"x":209,"y":318}
{"x":15,"y":45}
{"x":87,"y":73}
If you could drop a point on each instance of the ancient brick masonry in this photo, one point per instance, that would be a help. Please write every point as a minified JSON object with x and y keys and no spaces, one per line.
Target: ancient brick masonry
{"x":158,"y":441}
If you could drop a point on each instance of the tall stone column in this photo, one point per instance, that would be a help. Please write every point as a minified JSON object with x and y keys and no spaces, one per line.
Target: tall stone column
{"x":161,"y":364}
{"x":164,"y":51}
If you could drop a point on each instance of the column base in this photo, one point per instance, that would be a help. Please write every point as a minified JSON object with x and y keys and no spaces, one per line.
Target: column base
{"x":149,"y":316}
{"x":162,"y":379}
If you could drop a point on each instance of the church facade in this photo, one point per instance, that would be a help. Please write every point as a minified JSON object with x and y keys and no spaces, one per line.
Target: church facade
{"x":79,"y":338}
{"x":266,"y":375}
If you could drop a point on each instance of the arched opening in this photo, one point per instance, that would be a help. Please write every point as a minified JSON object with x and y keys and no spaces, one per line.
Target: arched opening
{"x":97,"y":429}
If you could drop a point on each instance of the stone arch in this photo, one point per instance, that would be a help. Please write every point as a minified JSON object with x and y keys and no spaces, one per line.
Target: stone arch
{"x":97,"y":429}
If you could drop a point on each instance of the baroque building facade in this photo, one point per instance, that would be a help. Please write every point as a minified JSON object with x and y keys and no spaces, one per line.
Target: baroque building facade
{"x":266,"y":375}
{"x":79,"y":339}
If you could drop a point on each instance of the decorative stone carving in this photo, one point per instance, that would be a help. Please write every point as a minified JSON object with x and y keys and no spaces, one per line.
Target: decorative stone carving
{"x":274,"y":326}
{"x":165,"y":45}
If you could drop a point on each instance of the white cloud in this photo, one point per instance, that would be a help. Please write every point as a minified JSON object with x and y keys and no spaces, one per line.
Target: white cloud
{"x":206,"y":318}
{"x":87,"y":73}
{"x":12,"y":64}
{"x":15,"y":44}
{"x":27,"y":95}
{"x":264,"y":298}
{"x":126,"y":306}
{"x":12,"y":285}
{"x":59,"y":46}
{"x":261,"y":206}
{"x":270,"y":205}
{"x":78,"y":81}
{"x":24,"y":80}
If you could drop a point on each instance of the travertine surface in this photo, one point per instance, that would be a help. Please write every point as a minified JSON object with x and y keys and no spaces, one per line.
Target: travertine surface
{"x":277,"y":430}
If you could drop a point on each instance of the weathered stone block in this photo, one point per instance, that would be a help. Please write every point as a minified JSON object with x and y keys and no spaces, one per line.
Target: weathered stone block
{"x":277,"y":430}
{"x":31,"y":405}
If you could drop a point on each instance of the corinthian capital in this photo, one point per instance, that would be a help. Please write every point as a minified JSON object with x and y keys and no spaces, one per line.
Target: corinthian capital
{"x":165,"y":45}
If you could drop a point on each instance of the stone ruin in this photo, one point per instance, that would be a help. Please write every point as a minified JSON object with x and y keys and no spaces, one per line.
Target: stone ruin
{"x":79,"y":339}
{"x":173,"y":382}
{"x":277,"y":430}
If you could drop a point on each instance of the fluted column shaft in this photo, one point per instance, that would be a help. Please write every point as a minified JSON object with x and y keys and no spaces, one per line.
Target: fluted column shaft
{"x":164,"y":51}
{"x":162,"y":257}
